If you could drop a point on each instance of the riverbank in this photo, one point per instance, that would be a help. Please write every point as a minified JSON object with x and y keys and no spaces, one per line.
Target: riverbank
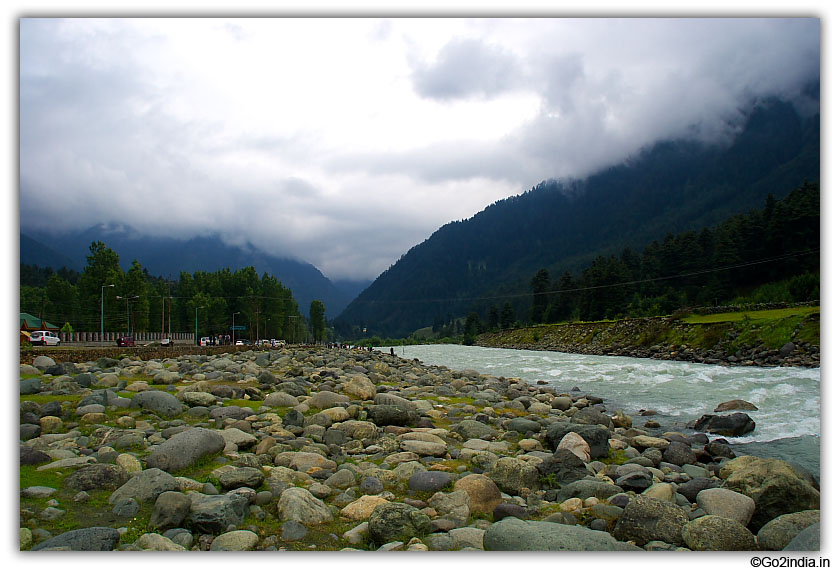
{"x":319,"y":449}
{"x":791,"y":340}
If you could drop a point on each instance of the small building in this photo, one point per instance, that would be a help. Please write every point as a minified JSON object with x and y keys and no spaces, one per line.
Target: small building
{"x":29,"y":323}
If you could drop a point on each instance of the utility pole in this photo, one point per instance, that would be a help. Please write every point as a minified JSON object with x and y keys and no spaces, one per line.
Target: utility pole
{"x":102,"y":317}
{"x":196,"y":325}
{"x":293,"y":326}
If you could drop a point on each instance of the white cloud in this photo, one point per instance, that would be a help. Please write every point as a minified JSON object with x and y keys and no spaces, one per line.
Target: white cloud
{"x":344,"y":142}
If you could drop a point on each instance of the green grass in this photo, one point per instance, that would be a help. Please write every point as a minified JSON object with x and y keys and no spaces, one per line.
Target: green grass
{"x":94,"y":512}
{"x":770,"y":314}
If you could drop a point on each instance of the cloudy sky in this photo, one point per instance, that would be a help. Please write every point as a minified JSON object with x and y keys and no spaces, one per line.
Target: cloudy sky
{"x":344,"y":142}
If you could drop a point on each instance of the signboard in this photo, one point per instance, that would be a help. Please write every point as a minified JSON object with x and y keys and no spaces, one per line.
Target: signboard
{"x":238,"y":328}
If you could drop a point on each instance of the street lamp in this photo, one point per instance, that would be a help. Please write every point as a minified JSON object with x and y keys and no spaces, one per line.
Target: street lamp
{"x":233,"y":326}
{"x":196,"y":324}
{"x":127,"y":314}
{"x":102,"y":317}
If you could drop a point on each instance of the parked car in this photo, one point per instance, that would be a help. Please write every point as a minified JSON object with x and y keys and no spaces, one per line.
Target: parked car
{"x":125,"y":341}
{"x":44,"y":338}
{"x":205,"y":341}
{"x":166,"y":342}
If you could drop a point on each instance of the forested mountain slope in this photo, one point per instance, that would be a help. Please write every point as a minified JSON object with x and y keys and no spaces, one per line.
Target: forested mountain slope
{"x":672,"y":186}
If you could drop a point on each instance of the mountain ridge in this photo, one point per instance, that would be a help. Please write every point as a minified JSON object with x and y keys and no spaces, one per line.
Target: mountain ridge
{"x":670,"y":186}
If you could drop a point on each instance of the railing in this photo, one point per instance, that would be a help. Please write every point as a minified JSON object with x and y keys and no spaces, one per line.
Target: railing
{"x":85,"y":337}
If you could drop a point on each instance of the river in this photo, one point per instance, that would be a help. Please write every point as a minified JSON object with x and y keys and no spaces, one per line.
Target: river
{"x":788,"y":399}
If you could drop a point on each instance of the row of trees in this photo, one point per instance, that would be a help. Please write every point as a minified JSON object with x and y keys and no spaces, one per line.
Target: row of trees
{"x":134,"y":301}
{"x":765,"y":256}
{"x":732,"y":262}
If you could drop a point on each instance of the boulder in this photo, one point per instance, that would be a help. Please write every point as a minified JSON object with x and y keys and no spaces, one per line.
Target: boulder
{"x":597,"y":436}
{"x":397,"y":521}
{"x":732,"y":425}
{"x":454,"y":506}
{"x":806,"y":541}
{"x":357,"y":429}
{"x":576,"y":444}
{"x":158,"y":402}
{"x":678,"y":453}
{"x":585,"y":488}
{"x":93,"y":538}
{"x":298,"y":504}
{"x":735,"y":405}
{"x":430,"y":480}
{"x":197,"y":398}
{"x":512,"y":475}
{"x":145,"y":486}
{"x":690,"y":488}
{"x":775,"y":486}
{"x":236,"y":540}
{"x":241,"y":477}
{"x":362,"y":508}
{"x":513,"y":534}
{"x":712,"y":532}
{"x":185,"y":449}
{"x":30,"y":386}
{"x":170,"y":510}
{"x":471,"y":429}
{"x":727,"y":504}
{"x":779,"y":532}
{"x":157,"y":543}
{"x":524,"y":425}
{"x":97,"y":476}
{"x":424,"y":448}
{"x":562,"y":468}
{"x":280,"y":400}
{"x":483,"y":492}
{"x":592,"y":416}
{"x":241,"y":439}
{"x":326,"y":399}
{"x":360,"y":388}
{"x":645,"y":519}
{"x":43,"y":362}
{"x":213,"y":514}
{"x":390,"y":415}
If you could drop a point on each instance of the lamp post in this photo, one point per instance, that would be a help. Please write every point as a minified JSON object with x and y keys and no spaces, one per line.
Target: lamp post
{"x":196,"y":325}
{"x":127,"y":314}
{"x":233,"y":326}
{"x":102,"y":317}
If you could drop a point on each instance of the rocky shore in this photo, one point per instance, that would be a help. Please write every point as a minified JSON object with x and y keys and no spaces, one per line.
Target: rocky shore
{"x":327,"y":449}
{"x":646,"y":338}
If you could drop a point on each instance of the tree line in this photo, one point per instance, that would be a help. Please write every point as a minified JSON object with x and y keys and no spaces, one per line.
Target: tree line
{"x":764,"y":256}
{"x":134,"y":301}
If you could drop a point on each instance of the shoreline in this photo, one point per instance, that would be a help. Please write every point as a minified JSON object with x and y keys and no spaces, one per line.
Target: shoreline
{"x":308,"y":448}
{"x":648,"y":338}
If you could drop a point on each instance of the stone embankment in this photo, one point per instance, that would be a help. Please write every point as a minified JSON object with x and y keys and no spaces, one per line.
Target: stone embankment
{"x":647,"y":338}
{"x":317,"y":449}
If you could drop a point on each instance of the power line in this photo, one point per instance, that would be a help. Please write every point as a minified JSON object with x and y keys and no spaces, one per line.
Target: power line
{"x":605,"y":286}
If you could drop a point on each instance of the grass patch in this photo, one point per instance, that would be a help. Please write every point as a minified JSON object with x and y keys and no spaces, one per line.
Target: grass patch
{"x":615,"y":457}
{"x":45,"y":398}
{"x":31,"y":477}
{"x":770,"y":314}
{"x":253,"y":404}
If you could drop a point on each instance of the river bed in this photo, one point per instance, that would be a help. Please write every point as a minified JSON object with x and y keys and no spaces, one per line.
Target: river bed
{"x":788,"y":399}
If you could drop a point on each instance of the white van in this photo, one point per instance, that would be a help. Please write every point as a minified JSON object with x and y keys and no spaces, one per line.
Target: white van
{"x":44,"y":338}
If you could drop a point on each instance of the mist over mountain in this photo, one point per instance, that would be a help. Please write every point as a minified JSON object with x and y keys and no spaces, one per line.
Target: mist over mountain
{"x":671,"y":186}
{"x":168,"y":257}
